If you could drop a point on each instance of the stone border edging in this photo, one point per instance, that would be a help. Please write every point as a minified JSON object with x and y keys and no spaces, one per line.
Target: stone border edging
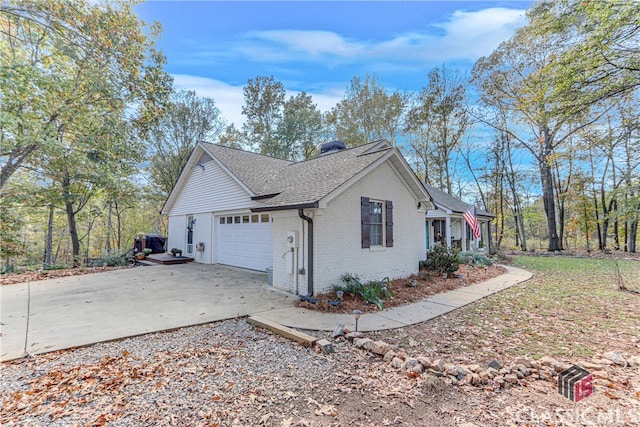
{"x":492,"y":375}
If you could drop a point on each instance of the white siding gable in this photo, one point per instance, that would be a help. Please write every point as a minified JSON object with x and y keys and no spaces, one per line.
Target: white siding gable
{"x":210,"y":189}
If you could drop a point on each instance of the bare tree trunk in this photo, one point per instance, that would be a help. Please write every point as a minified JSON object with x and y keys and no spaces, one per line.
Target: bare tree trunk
{"x":71,"y":220}
{"x":107,"y":245}
{"x":616,"y":227}
{"x":48,"y":244}
{"x":586,"y":226}
{"x":549,"y":205}
{"x":633,"y":227}
{"x":119,"y":228}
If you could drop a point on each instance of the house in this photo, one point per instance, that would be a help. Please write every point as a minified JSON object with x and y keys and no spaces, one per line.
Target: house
{"x":359,"y":210}
{"x":445,"y":223}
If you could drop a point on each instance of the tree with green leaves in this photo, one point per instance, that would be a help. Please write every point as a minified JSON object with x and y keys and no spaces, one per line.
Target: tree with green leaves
{"x":514,"y":80}
{"x":89,"y":157}
{"x":436,"y":124}
{"x":367,"y":113}
{"x":232,"y":137}
{"x":599,"y":57}
{"x":64,"y":59}
{"x":300,"y":128}
{"x":264,"y":99}
{"x":187,"y":120}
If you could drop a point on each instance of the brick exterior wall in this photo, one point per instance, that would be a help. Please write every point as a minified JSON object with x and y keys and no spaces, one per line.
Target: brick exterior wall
{"x":337,"y":236}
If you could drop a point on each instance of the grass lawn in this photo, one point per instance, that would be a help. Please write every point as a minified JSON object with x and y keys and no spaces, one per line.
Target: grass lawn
{"x":572,"y":308}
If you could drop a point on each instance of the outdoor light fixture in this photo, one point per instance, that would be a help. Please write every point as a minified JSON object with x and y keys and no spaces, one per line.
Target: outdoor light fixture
{"x":340,"y":294}
{"x":357,"y":314}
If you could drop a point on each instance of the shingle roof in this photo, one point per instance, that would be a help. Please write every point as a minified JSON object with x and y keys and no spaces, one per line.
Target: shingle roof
{"x":282,"y":184}
{"x":256,"y":171}
{"x":295,"y":183}
{"x":440,"y":198}
{"x":311,"y":180}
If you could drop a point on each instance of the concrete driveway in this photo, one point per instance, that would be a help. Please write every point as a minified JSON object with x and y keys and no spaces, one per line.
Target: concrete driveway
{"x":61,"y":313}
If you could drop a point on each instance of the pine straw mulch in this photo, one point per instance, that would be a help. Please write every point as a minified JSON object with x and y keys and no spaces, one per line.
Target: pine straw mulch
{"x":406,"y":291}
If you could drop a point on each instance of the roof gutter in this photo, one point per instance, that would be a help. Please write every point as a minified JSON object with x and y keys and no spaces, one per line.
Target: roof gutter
{"x":309,"y":251}
{"x":309,"y":205}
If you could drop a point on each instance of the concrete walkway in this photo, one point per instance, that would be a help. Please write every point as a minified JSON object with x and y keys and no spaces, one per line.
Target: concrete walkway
{"x":61,"y":313}
{"x":398,"y":317}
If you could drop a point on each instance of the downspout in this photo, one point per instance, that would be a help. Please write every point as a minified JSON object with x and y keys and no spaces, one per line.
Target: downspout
{"x":309,"y":252}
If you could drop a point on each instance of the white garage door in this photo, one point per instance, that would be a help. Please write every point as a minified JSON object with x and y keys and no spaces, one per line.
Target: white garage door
{"x":244,"y":241}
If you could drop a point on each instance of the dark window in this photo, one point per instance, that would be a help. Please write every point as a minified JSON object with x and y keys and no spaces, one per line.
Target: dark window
{"x":221,"y":220}
{"x":375,"y":223}
{"x":376,"y":218}
{"x":439,"y":231}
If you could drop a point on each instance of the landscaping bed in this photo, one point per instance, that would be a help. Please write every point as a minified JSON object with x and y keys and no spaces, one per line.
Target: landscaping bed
{"x":406,"y":291}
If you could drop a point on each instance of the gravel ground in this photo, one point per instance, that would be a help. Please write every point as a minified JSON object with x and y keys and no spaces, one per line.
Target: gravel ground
{"x":233,"y":374}
{"x":226,"y":373}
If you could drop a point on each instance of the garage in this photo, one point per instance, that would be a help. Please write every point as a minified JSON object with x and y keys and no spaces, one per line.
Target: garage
{"x":244,"y":240}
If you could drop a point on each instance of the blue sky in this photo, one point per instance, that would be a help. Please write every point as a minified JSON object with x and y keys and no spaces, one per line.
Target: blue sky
{"x":214,"y":47}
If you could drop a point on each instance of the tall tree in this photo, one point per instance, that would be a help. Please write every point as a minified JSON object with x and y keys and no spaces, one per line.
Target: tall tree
{"x":437,"y":122}
{"x":300,"y":128}
{"x":264,"y":99}
{"x":60,"y":59}
{"x":187,"y":120}
{"x":514,"y":79}
{"x":91,"y":155}
{"x":367,"y":113}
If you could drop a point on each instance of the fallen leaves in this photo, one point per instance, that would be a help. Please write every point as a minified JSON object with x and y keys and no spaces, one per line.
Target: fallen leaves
{"x":34,"y":276}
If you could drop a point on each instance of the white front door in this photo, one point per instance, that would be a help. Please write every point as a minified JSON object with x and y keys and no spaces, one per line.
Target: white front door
{"x":244,"y":240}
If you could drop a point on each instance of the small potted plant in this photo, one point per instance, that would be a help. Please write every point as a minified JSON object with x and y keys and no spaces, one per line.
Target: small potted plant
{"x":176,"y":252}
{"x":147,"y":252}
{"x":140,"y":255}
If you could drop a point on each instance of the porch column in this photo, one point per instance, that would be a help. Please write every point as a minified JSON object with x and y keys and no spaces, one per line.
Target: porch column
{"x":447,"y":227}
{"x":463,"y":238}
{"x":488,"y":238}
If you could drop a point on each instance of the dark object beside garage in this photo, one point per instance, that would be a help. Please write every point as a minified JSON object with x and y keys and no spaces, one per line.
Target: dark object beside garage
{"x":156,"y":243}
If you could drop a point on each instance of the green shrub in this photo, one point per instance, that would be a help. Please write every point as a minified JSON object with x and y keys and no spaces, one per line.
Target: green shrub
{"x":351,"y":284}
{"x":371,"y":293}
{"x":111,"y":259}
{"x":474,"y":258}
{"x":442,"y":260}
{"x":55,"y":267}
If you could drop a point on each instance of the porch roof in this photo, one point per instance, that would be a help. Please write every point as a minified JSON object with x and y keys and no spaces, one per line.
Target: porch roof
{"x":450,"y":203}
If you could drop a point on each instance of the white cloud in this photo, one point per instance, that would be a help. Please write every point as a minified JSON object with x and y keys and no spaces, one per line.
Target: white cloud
{"x":229,"y":98}
{"x":466,"y":35}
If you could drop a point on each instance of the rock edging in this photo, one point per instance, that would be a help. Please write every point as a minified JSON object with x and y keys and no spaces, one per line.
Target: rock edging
{"x":492,"y":375}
